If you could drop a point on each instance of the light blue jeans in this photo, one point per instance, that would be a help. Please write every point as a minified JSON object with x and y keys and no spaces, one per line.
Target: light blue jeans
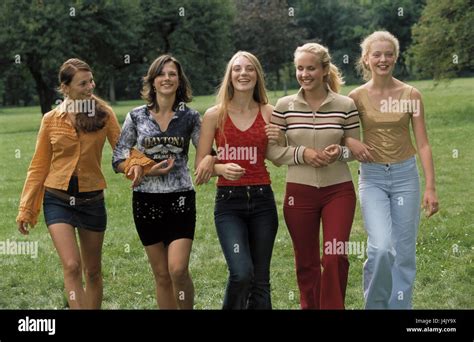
{"x":390,"y":202}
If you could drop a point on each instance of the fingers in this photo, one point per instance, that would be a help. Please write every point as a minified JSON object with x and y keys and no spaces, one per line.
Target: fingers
{"x":137,"y":172}
{"x":318,"y":163}
{"x":23,"y":227}
{"x":202,"y":176}
{"x":365,"y":156}
{"x":369,"y":156}
{"x":332,"y":152}
{"x":233,"y":171}
{"x":273,"y":132}
{"x":431,"y":208}
{"x":162,"y":168}
{"x":198,"y":176}
{"x":207,"y":176}
{"x":315,"y":158}
{"x":170,"y":165}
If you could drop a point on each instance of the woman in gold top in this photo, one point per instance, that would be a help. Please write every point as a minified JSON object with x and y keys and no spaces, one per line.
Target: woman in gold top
{"x":389,"y":186}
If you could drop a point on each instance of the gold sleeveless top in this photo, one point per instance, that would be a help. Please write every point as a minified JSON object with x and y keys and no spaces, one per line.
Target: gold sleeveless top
{"x":387,"y":129}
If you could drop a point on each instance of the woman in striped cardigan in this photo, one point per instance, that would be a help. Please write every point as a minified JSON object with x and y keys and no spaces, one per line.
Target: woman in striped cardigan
{"x":319,"y":185}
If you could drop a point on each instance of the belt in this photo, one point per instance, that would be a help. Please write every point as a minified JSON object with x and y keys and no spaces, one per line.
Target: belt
{"x":77,"y":200}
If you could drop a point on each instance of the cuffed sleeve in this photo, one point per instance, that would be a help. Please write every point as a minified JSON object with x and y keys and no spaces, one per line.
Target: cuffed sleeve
{"x":283,"y":155}
{"x":124,"y":150}
{"x":33,"y":189}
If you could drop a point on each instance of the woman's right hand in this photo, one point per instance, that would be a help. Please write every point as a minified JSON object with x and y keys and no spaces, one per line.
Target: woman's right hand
{"x":162,"y":168}
{"x":315,"y":158}
{"x":359,"y":150}
{"x":230,"y":171}
{"x":23,"y":227}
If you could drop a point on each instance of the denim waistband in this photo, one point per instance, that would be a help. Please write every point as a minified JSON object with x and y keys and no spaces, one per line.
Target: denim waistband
{"x":404,"y":170}
{"x":392,"y":166}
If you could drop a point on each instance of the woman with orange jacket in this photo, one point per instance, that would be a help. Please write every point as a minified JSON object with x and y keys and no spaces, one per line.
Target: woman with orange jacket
{"x":65,"y":175}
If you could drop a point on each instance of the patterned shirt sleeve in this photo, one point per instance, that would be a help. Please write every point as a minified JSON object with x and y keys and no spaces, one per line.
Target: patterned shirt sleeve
{"x":127,"y":140}
{"x":196,"y":127}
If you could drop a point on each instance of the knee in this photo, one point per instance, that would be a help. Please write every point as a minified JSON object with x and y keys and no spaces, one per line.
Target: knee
{"x":335,"y":261}
{"x":162,"y":278}
{"x":72,"y":268}
{"x":242,"y":276}
{"x":381,"y":251}
{"x":178,"y":273}
{"x":93,"y":273}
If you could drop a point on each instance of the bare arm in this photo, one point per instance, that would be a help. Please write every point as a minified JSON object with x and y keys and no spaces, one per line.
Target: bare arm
{"x":430,"y":199}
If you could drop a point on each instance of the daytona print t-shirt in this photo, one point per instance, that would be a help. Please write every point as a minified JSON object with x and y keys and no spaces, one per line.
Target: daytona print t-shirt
{"x":140,"y":130}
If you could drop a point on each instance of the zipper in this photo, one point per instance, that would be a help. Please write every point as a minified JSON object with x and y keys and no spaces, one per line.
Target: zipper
{"x":314,"y":146}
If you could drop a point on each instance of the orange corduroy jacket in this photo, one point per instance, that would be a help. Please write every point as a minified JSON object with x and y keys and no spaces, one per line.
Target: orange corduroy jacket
{"x":60,"y":152}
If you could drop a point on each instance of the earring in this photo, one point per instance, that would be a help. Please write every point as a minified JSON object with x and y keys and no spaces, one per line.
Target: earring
{"x":154,"y":89}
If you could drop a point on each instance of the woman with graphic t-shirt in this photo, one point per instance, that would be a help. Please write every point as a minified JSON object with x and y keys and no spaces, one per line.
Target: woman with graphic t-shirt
{"x":164,"y":207}
{"x":245,"y":213}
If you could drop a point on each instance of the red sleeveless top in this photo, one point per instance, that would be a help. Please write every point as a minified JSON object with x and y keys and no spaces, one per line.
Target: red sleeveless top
{"x":245,"y":148}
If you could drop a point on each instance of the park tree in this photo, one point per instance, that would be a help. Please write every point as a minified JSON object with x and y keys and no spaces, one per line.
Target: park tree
{"x":195,"y":32}
{"x":338,"y":25}
{"x":397,"y":17}
{"x":443,"y":44}
{"x":268,"y":29}
{"x":341,"y":25}
{"x":42,"y":34}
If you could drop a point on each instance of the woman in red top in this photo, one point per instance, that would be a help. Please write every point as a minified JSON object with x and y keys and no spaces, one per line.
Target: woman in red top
{"x":245,"y":213}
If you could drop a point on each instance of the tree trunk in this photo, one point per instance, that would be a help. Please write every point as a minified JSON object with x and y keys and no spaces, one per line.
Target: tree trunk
{"x":277,"y":74}
{"x":112,"y":99}
{"x":46,"y":94}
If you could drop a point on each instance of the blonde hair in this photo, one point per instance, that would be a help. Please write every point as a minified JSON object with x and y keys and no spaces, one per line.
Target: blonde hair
{"x":386,"y":36}
{"x":334,"y":77}
{"x":225,"y":92}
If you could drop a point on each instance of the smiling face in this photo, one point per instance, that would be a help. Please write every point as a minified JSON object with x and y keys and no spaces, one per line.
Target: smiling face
{"x":243,"y":74}
{"x":381,"y":58}
{"x":81,"y":87}
{"x":309,"y":71}
{"x":167,"y":81}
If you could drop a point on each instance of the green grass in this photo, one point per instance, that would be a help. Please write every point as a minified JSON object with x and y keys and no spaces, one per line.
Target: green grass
{"x":444,"y":272}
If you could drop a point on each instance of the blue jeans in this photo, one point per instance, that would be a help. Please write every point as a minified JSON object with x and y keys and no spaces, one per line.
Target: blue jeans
{"x":390,"y":202}
{"x":247,"y":222}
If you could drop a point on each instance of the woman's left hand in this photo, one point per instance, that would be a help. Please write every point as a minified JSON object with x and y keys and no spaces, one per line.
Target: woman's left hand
{"x":274,"y":133}
{"x":136,"y":171}
{"x":430,"y":203}
{"x":333,"y":152}
{"x":204,"y":170}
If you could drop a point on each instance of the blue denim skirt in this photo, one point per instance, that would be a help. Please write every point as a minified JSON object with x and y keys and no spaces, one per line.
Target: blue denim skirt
{"x":91,"y":216}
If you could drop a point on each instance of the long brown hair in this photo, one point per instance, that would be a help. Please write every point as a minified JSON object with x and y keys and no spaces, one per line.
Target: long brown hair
{"x":183,"y":93}
{"x":84,"y":121}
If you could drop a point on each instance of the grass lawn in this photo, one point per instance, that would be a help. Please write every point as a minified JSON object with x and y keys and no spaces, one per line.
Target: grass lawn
{"x":445,"y":242}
